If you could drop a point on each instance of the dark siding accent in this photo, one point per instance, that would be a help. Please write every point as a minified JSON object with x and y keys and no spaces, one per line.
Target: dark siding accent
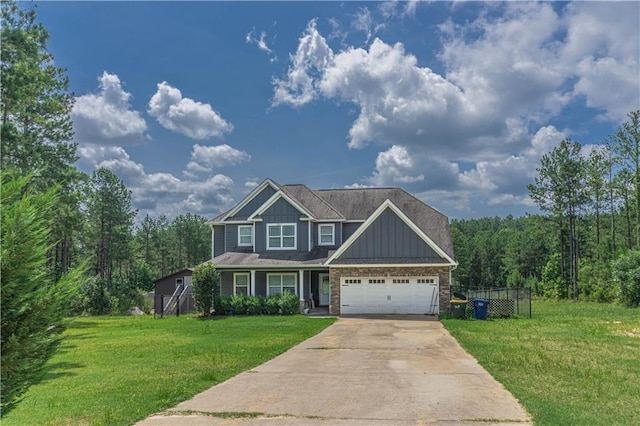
{"x":389,"y":237}
{"x":231,"y":237}
{"x":254,"y":204}
{"x":348,"y":229}
{"x":218,"y":240}
{"x":282,"y":212}
{"x":226,"y":283}
{"x":167,"y":285}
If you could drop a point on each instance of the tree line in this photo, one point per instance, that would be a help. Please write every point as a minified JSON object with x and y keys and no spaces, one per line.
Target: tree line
{"x":586,"y":243}
{"x":70,"y":244}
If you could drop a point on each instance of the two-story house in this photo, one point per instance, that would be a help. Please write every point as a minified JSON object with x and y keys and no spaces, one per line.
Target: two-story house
{"x":357,"y":251}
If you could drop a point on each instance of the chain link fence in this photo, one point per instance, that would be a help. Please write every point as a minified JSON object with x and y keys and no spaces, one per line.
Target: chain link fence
{"x":505,"y":302}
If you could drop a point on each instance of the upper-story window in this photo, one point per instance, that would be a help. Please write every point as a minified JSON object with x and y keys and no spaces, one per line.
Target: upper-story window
{"x":281,"y":236}
{"x":245,"y":235}
{"x":327,"y":235}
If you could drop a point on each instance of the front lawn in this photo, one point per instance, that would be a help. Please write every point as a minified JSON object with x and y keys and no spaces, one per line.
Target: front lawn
{"x":117,"y":370}
{"x":571,"y":364}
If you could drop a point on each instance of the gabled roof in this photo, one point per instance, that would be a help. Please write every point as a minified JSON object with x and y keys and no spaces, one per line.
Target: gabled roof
{"x":275,"y":197}
{"x":361,"y":203}
{"x":388,"y":204}
{"x":267,"y":182}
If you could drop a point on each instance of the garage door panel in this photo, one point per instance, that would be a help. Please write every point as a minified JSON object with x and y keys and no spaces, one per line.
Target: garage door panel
{"x":404,"y":295}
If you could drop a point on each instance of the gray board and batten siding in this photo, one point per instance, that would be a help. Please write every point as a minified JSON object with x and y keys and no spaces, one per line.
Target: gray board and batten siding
{"x":254,"y":204}
{"x":391,"y":239}
{"x":281,"y":212}
{"x":219,"y":240}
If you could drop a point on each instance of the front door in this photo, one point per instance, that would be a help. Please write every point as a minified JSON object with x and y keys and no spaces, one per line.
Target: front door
{"x":324,"y":289}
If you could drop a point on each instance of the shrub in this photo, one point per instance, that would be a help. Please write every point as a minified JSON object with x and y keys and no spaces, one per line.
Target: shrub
{"x":272,"y":305}
{"x":288,"y":303}
{"x":255,"y":305}
{"x":206,"y":285}
{"x":222,"y":305}
{"x":238,"y":304}
{"x":626,"y":273}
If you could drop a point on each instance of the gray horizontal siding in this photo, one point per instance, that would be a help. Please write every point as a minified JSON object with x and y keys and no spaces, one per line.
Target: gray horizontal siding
{"x":388,"y":237}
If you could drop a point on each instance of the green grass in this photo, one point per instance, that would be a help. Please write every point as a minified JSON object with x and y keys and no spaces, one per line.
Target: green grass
{"x":572,"y":364}
{"x":117,"y":370}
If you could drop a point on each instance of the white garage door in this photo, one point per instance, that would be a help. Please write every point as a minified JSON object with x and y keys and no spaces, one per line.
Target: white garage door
{"x":389,"y":295}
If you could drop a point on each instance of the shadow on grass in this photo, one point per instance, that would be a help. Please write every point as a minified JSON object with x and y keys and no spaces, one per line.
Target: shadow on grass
{"x":60,"y":369}
{"x":83,"y":324}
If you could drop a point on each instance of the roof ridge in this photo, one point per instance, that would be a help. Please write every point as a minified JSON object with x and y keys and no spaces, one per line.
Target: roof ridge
{"x":313,"y":192}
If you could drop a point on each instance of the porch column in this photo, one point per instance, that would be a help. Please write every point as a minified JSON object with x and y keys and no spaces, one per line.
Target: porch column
{"x":301,"y":285}
{"x":253,"y":283}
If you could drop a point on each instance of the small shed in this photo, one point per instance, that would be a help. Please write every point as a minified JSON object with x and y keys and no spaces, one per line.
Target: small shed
{"x":174,"y":288}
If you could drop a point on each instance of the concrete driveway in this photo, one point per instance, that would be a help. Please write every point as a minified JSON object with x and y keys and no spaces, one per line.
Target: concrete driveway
{"x":392,"y":370}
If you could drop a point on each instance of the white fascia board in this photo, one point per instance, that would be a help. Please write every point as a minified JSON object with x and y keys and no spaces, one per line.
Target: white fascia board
{"x":391,"y":265}
{"x":258,"y":189}
{"x":271,"y":201}
{"x":388,"y":204}
{"x":285,"y":268}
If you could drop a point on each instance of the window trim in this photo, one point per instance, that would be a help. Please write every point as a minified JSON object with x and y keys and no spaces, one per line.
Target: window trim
{"x":333,"y":234}
{"x":240,"y":244}
{"x":280,"y":225}
{"x":282,"y":274}
{"x":246,"y":274}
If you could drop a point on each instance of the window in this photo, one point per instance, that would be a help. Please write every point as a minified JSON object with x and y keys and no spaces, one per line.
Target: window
{"x":279,"y":283}
{"x":245,"y":235}
{"x":426,"y":280}
{"x":326,"y":235}
{"x":281,"y":236}
{"x":353,"y":281}
{"x":241,"y":283}
{"x":377,"y":281}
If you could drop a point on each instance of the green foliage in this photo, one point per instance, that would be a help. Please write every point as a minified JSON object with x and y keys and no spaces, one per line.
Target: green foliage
{"x":272,"y":305}
{"x":110,"y":223}
{"x":221,"y":304}
{"x":596,"y":283}
{"x":168,"y":246}
{"x":33,"y":305}
{"x":36,"y":129}
{"x":206,"y":286}
{"x":255,"y":305}
{"x":238,"y":304}
{"x":626,"y":272}
{"x":288,"y":303}
{"x":552,"y":285}
{"x":93,"y":298}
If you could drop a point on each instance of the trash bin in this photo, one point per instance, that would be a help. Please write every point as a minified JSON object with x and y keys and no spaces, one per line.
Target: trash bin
{"x":458,"y":308}
{"x":480,"y":308}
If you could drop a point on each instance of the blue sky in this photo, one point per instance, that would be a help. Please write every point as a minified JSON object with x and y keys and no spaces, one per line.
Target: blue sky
{"x":193,"y":104}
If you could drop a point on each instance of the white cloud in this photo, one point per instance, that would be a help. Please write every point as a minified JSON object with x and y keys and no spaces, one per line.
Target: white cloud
{"x":311,"y":58}
{"x":160,"y":193}
{"x":261,"y":42}
{"x":105,"y":117}
{"x":363,"y":20}
{"x":206,"y":158}
{"x":394,"y":166}
{"x":193,"y":119}
{"x":478,"y":129}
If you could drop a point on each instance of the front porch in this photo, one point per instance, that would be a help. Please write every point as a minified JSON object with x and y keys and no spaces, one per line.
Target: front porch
{"x":311,"y":285}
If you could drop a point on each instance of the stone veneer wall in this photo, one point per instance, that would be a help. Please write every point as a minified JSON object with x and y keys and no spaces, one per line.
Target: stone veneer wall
{"x":365,"y":271}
